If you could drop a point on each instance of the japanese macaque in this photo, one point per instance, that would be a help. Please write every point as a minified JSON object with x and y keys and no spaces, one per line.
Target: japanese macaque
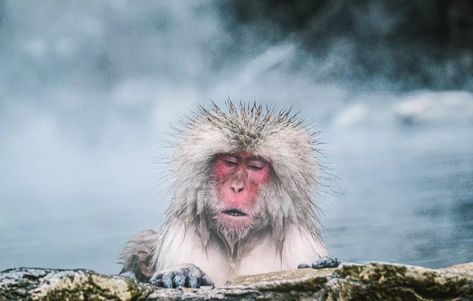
{"x":242,"y":201}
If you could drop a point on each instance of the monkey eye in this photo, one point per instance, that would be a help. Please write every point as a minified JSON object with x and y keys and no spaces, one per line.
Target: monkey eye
{"x":230,"y":160}
{"x":256,"y":164}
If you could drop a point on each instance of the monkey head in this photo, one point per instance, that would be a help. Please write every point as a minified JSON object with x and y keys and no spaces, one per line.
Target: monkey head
{"x":244,"y":169}
{"x":242,"y":184}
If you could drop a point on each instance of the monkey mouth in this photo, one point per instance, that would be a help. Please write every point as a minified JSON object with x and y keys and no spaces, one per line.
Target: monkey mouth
{"x":234,"y":212}
{"x":234,"y":221}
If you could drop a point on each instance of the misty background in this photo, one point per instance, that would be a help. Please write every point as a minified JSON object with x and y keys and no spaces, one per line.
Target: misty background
{"x":89,"y":91}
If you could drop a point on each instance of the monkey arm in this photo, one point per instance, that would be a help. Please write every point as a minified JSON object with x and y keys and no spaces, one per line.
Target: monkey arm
{"x":137,"y":260}
{"x":322,"y":263}
{"x":185,"y":275}
{"x":138,"y":253}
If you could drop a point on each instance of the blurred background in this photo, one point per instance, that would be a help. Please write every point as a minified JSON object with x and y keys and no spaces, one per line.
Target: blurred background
{"x":88,"y":91}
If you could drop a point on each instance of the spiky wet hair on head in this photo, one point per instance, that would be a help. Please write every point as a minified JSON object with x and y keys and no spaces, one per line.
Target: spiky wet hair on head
{"x":280,"y":137}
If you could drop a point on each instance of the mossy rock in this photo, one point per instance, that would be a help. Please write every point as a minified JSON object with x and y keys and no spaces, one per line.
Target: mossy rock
{"x":372,"y":281}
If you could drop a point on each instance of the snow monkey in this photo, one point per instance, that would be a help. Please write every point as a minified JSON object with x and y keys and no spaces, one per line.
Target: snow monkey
{"x":242,"y":201}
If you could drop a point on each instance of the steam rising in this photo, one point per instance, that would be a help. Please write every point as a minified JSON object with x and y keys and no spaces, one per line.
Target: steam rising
{"x":88,"y":90}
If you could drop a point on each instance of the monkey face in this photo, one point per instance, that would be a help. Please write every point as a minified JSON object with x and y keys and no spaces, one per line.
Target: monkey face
{"x":240,"y":177}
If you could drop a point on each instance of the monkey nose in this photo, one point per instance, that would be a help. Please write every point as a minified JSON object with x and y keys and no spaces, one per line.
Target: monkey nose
{"x":236,"y":187}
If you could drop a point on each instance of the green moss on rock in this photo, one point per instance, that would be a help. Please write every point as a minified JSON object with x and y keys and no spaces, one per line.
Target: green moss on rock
{"x":372,"y":281}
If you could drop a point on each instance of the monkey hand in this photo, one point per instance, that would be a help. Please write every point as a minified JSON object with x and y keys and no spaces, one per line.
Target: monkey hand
{"x":322,"y":263}
{"x":185,"y":275}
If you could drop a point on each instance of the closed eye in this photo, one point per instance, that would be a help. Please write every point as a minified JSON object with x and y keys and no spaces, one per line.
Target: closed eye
{"x":230,"y":160}
{"x":256,"y":165}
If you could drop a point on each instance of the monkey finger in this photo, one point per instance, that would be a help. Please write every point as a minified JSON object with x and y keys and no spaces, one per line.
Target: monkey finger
{"x":326,"y":262}
{"x":194,"y":277}
{"x":304,"y":266}
{"x":167,"y":279}
{"x":206,"y":281}
{"x":179,"y":279}
{"x":193,"y":282}
{"x":157,"y":279}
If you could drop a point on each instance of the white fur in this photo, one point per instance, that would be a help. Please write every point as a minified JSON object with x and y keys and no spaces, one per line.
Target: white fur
{"x":289,"y":234}
{"x":185,"y":246}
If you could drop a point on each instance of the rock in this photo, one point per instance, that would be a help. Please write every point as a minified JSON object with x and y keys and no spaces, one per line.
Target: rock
{"x":372,"y":281}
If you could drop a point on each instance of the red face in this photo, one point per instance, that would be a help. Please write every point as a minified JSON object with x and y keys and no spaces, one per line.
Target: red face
{"x":240,"y":177}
